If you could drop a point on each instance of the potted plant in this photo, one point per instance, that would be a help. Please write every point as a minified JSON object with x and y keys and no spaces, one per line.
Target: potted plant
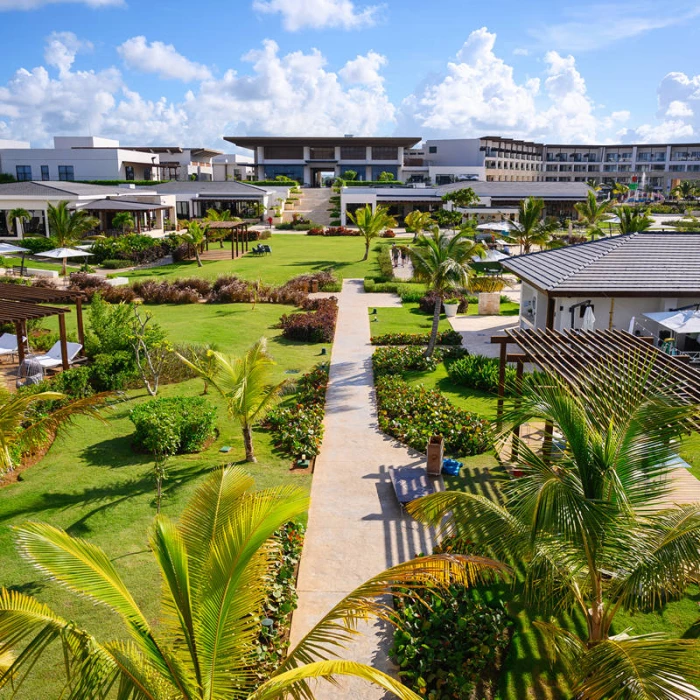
{"x":451,"y":307}
{"x":489,"y":290}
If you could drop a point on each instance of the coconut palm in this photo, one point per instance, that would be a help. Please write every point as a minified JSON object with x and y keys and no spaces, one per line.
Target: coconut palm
{"x":531,"y":228}
{"x":685,"y":191}
{"x":123,"y":220}
{"x":244,"y":383}
{"x":633,"y":220}
{"x":14,"y":214}
{"x":16,"y":424}
{"x":594,"y":184}
{"x":582,"y":529}
{"x":371,"y":223}
{"x":215,"y":565}
{"x":194,"y":236}
{"x":417,"y":222}
{"x":67,"y":227}
{"x":442,"y":262}
{"x":216,"y":215}
{"x":591,"y":214}
{"x":619,"y":190}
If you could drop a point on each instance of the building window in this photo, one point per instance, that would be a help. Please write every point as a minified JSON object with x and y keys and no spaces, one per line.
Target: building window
{"x":45,"y":172}
{"x":432,"y":149}
{"x":24,"y":173}
{"x":284,"y":152}
{"x":128,"y":171}
{"x":294,"y":172}
{"x":384,"y":153}
{"x":182,"y":210}
{"x":65,"y":173}
{"x":147,"y":174}
{"x":353,"y":153}
{"x":322,"y":153}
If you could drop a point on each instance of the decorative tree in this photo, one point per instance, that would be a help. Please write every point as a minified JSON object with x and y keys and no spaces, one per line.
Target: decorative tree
{"x":150,"y":347}
{"x":124,"y":220}
{"x":371,"y":223}
{"x":194,"y":237}
{"x":13,"y":215}
{"x":632,"y":220}
{"x":591,"y":214}
{"x":67,"y":227}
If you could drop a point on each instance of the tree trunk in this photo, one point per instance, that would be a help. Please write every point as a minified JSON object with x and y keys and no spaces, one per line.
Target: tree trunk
{"x":434,"y":330}
{"x":64,"y":271}
{"x":366,"y":251}
{"x":248,"y":442}
{"x":196,"y":255}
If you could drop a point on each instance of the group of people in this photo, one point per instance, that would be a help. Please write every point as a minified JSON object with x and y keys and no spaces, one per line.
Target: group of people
{"x":399,"y":255}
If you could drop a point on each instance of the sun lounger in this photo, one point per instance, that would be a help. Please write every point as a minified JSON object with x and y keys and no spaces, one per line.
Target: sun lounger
{"x":410,"y":483}
{"x":8,"y":344}
{"x":53,"y":357}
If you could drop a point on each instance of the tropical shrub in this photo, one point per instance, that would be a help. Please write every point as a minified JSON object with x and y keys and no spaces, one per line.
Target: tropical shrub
{"x":115,"y":264}
{"x":298,"y":429}
{"x":112,"y":371}
{"x":389,"y":234}
{"x":136,"y":248}
{"x":186,"y":421}
{"x":427,"y":302}
{"x":413,"y":414}
{"x":316,"y":326}
{"x":479,"y":372}
{"x":386,"y":267}
{"x":397,"y":360}
{"x":37,"y":244}
{"x":449,"y":337}
{"x":450,"y":643}
{"x":153,"y":292}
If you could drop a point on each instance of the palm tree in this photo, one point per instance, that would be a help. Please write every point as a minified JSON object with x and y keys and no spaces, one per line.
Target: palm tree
{"x":442,"y":262}
{"x":371,"y":223}
{"x":215,"y":565}
{"x":123,"y":220}
{"x":16,"y":412}
{"x":216,"y":215}
{"x":618,"y":190}
{"x":594,"y":184}
{"x":685,"y":191}
{"x":530,"y":229}
{"x":582,"y":530}
{"x":14,"y":214}
{"x":244,"y":383}
{"x":632,"y":221}
{"x":417,"y":222}
{"x":194,"y":236}
{"x":591,"y":213}
{"x":67,"y":227}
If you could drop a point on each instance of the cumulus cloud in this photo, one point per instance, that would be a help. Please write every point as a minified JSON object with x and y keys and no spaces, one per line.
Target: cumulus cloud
{"x":161,"y":59}
{"x":521,"y":52}
{"x":318,"y":14}
{"x":364,"y":70}
{"x":7,"y":5}
{"x":679,"y":109}
{"x":61,"y":49}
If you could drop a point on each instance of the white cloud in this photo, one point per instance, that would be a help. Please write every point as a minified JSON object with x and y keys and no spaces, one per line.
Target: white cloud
{"x":596,"y":26}
{"x":61,"y":49}
{"x":679,"y":109}
{"x":7,"y":5}
{"x":364,"y":70}
{"x":521,"y":52}
{"x":161,"y":59}
{"x":319,"y":14}
{"x":670,"y":130}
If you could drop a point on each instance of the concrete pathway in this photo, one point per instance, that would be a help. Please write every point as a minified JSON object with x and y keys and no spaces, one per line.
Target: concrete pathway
{"x":476,"y":332}
{"x":356,"y":528}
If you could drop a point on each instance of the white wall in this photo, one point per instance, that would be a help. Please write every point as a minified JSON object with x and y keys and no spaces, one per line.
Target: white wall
{"x":454,"y":152}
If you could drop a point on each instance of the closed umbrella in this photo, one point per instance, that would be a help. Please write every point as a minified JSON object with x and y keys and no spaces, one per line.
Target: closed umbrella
{"x":63,"y":254}
{"x":588,"y":320}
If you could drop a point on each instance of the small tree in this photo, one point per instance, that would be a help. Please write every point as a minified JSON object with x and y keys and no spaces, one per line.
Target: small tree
{"x":633,"y":220}
{"x":384,"y":176}
{"x":124,"y":220}
{"x":150,"y":347}
{"x":531,"y":227}
{"x":591,"y":213}
{"x":67,"y":227}
{"x":194,"y":236}
{"x":417,"y":222}
{"x":371,"y":223}
{"x":350,"y":175}
{"x":13,"y":215}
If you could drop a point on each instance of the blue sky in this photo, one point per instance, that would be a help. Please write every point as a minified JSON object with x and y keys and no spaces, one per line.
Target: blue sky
{"x":157,"y":72}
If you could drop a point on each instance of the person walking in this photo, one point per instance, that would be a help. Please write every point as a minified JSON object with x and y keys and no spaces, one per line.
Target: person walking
{"x":394,"y":255}
{"x":404,"y":255}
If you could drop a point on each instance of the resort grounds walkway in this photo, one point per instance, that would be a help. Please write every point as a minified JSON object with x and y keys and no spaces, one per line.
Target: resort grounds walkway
{"x":356,"y":528}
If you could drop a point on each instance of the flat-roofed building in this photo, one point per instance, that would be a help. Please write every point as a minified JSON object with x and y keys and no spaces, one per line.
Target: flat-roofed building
{"x":183,"y":162}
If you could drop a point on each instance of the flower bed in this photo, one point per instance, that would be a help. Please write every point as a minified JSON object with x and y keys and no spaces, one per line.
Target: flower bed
{"x":449,"y":337}
{"x":413,"y":414}
{"x":332,"y":231}
{"x":397,"y":360}
{"x":298,"y":430}
{"x":317,"y":326}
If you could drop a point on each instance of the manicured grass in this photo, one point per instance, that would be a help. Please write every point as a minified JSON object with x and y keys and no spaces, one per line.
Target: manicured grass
{"x":292,"y":255}
{"x":406,"y":319}
{"x":690,"y":452}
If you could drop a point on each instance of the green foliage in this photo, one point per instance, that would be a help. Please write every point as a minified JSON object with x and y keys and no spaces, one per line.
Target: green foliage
{"x":479,"y":372}
{"x":368,"y":183}
{"x":38,"y":244}
{"x":176,"y":425}
{"x":108,"y":327}
{"x":397,"y":360}
{"x":6,"y":178}
{"x":448,"y":644}
{"x":385,"y":176}
{"x":115,"y":264}
{"x":112,"y":371}
{"x":386,"y":267}
{"x":633,"y":220}
{"x":298,"y":430}
{"x":413,"y":414}
{"x":462,"y":198}
{"x":350,"y":175}
{"x":134,"y":247}
{"x":449,"y":337}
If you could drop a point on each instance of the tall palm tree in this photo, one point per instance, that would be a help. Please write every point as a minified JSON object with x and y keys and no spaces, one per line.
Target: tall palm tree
{"x":582,"y":529}
{"x":371,"y":223}
{"x":632,"y":220}
{"x":124,"y":220}
{"x":15,"y":414}
{"x":591,"y":213}
{"x":244,"y":383}
{"x":594,"y":184}
{"x":531,"y":228}
{"x":618,"y":190}
{"x":685,"y":191}
{"x":418,"y":221}
{"x":442,"y":262}
{"x":194,"y":236}
{"x":214,"y":566}
{"x":67,"y":227}
{"x":14,"y":214}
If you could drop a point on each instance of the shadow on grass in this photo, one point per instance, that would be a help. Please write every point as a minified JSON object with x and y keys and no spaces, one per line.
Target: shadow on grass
{"x":113,"y":453}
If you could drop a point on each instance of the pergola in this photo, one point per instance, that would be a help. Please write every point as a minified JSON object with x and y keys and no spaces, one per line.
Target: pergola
{"x":19,"y":304}
{"x":572,"y":354}
{"x":239,"y":233}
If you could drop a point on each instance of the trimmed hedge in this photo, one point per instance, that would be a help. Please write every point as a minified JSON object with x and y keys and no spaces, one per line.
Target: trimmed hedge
{"x":115,"y":264}
{"x":479,"y":372}
{"x":316,"y":326}
{"x":184,"y":422}
{"x":386,"y":267}
{"x":413,"y":414}
{"x":397,"y":360}
{"x":449,"y":337}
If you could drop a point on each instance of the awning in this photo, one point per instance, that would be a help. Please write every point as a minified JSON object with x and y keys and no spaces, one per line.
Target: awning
{"x":687,"y":321}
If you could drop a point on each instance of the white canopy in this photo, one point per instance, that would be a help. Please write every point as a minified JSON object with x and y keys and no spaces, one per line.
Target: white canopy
{"x":687,"y":321}
{"x":63,"y":253}
{"x":612,"y":220}
{"x":491,"y":256}
{"x":496,"y":226}
{"x":9,"y":249}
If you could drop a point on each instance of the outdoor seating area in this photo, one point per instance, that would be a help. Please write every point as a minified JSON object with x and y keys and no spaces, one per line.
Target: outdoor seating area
{"x":261,"y":249}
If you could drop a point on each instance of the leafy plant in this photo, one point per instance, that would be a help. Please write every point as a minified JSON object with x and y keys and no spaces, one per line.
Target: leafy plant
{"x":397,"y":360}
{"x":371,"y":223}
{"x":316,"y":326}
{"x":479,"y":372}
{"x":449,"y":337}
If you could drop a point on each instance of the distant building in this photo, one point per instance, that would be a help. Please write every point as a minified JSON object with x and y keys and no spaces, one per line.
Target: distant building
{"x":233,"y":166}
{"x":182,"y":163}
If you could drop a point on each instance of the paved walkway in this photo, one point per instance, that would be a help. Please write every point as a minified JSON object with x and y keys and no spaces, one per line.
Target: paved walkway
{"x":356,"y":528}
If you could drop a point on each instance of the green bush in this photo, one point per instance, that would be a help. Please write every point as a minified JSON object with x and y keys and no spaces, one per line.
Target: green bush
{"x":386,"y":267}
{"x":113,"y":371}
{"x":449,"y":337}
{"x":413,"y":414}
{"x":397,"y":360}
{"x":37,"y":244}
{"x":174,"y":425}
{"x":448,"y":643}
{"x":479,"y":372}
{"x":115,"y":264}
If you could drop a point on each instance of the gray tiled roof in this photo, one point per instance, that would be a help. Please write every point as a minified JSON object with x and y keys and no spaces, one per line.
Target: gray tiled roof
{"x":51,"y":190}
{"x":229,"y":187}
{"x":518,"y":190}
{"x":663,"y":263}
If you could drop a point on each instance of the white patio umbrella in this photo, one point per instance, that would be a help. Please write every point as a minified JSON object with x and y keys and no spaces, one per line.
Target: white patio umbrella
{"x":496,"y":226}
{"x":686,"y":321}
{"x":63,"y":254}
{"x":588,"y":320}
{"x":612,"y":220}
{"x":491,"y":256}
{"x":10,"y":249}
{"x":633,"y":320}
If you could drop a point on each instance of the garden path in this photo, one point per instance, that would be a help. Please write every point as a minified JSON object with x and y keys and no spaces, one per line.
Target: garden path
{"x":356,"y":528}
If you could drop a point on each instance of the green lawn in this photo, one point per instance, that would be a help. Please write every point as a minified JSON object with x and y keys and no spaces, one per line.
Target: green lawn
{"x":292,"y":255}
{"x":405,"y":319}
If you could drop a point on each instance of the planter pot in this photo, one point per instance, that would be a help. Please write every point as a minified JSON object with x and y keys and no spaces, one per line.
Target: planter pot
{"x":489,"y":303}
{"x":451,"y":310}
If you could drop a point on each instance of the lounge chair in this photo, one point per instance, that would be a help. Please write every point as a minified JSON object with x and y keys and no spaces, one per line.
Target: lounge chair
{"x":8,"y":344}
{"x":266,"y":249}
{"x":53,"y":357}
